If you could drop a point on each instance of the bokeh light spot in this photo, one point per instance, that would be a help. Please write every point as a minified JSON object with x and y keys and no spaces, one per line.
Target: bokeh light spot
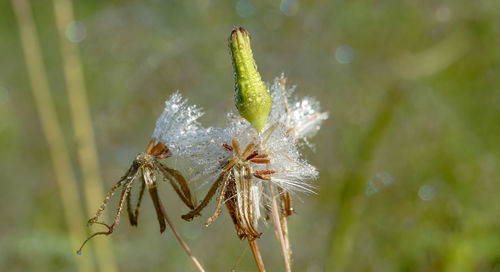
{"x":344,"y":54}
{"x":381,"y":179}
{"x":76,"y":32}
{"x":371,"y":188}
{"x":4,"y":95}
{"x":385,"y":178}
{"x":443,"y":13}
{"x":289,"y":7}
{"x":245,"y":8}
{"x":426,"y":192}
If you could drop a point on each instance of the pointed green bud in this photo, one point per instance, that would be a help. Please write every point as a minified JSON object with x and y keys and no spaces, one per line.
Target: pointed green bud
{"x":252,"y":99}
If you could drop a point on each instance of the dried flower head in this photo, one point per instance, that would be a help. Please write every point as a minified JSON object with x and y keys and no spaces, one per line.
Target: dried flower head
{"x":174,"y":128}
{"x":256,"y":149}
{"x":242,"y":162}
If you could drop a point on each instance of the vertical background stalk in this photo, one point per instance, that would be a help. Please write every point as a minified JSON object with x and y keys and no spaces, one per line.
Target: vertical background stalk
{"x":65,"y":178}
{"x":350,"y":204}
{"x":82,"y":127}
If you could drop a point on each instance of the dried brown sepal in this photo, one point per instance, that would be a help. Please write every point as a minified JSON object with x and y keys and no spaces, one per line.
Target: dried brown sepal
{"x":262,"y":161}
{"x":196,"y":211}
{"x":285,"y":203}
{"x":220,"y":199}
{"x":247,"y":150}
{"x":235,"y":182}
{"x":158,"y":150}
{"x":232,"y":208}
{"x":145,"y":164}
{"x":125,"y":191}
{"x":133,"y":214}
{"x":178,"y":182}
{"x":153,"y":192}
{"x":228,"y":147}
{"x":252,"y":155}
{"x":268,"y":178}
{"x":265,"y":172}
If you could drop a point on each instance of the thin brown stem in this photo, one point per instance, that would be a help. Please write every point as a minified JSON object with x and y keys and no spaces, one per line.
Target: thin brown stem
{"x":123,"y":197}
{"x":179,"y":238}
{"x":278,"y":230}
{"x":133,"y":214}
{"x":239,"y":259}
{"x":284,"y":226}
{"x":286,"y":210}
{"x":256,"y":255}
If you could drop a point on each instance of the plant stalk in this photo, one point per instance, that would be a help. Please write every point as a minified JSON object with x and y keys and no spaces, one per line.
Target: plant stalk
{"x":256,"y":254}
{"x":181,"y":241}
{"x":284,"y":227}
{"x":64,"y":176}
{"x":82,"y":126}
{"x":279,"y":232}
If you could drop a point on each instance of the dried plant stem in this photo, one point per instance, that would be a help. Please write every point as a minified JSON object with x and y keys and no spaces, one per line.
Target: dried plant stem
{"x":52,"y":131}
{"x":278,"y":229}
{"x":284,"y":227}
{"x":283,"y":219}
{"x":82,"y":126}
{"x":239,"y":259}
{"x":178,"y":236}
{"x":256,"y":255}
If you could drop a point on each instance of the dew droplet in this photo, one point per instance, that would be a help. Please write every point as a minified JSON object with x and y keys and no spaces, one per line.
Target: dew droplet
{"x":344,"y":54}
{"x":289,"y":7}
{"x":426,"y":192}
{"x":76,"y":32}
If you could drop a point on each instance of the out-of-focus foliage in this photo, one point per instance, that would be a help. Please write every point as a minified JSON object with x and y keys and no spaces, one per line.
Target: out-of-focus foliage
{"x":409,"y":159}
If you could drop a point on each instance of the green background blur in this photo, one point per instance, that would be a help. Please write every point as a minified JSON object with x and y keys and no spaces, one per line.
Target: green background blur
{"x":408,"y":160}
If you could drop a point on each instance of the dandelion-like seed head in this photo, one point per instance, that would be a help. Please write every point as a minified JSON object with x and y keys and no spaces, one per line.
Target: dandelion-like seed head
{"x":242,"y":162}
{"x":177,"y":124}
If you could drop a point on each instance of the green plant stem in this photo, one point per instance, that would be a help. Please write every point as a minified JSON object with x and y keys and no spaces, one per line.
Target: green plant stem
{"x":350,"y":202}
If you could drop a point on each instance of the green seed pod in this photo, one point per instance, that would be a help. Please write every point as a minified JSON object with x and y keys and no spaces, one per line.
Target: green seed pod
{"x":252,"y":99}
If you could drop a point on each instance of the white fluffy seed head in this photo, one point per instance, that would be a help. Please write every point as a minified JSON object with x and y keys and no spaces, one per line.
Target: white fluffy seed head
{"x":291,"y":119}
{"x":291,"y":172}
{"x":303,"y":117}
{"x":177,"y":126}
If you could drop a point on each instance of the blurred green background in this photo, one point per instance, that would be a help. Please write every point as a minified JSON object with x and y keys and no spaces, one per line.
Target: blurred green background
{"x":409,"y":159}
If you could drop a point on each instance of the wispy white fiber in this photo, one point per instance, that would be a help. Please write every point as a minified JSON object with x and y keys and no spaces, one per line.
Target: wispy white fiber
{"x":177,"y":125}
{"x":302,"y":116}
